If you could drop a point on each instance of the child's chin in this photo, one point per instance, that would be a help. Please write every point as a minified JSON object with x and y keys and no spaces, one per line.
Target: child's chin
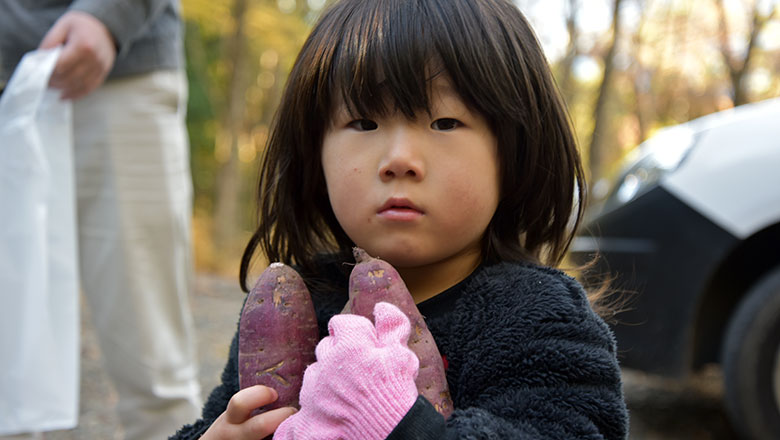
{"x":398,"y":256}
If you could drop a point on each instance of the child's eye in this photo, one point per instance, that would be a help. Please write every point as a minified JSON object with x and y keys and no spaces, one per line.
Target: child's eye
{"x":363,"y":125}
{"x":445,"y":124}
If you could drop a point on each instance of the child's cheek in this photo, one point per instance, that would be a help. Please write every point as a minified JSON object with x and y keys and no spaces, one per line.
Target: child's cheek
{"x":471,"y":203}
{"x":349,"y":196}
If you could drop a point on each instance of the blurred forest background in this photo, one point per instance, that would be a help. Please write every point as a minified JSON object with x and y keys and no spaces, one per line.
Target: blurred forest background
{"x":625,"y":67}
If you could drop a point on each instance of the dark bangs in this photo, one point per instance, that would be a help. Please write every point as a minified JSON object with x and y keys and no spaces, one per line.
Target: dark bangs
{"x":380,"y":64}
{"x":378,"y":56}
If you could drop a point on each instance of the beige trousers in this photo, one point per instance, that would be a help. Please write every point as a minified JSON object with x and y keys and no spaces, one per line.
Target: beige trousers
{"x":134,"y":195}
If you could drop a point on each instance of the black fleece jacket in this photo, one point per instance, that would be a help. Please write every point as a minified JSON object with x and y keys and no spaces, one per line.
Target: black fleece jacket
{"x":526,"y":358}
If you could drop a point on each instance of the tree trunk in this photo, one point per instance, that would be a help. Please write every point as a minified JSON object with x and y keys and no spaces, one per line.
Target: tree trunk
{"x":643,"y":108}
{"x":566,"y":84}
{"x":738,"y":68}
{"x":228,"y":178}
{"x":597,"y":153}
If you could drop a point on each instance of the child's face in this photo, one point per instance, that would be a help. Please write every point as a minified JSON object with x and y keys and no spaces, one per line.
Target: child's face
{"x":414,"y":192}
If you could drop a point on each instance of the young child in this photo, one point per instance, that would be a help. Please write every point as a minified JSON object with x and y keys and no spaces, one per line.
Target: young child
{"x":431,"y":134}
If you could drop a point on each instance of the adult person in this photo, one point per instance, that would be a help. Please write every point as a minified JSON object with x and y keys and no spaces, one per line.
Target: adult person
{"x":122,"y":66}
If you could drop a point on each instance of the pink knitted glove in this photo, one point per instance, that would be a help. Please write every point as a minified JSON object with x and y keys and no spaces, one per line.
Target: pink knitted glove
{"x":362,"y":384}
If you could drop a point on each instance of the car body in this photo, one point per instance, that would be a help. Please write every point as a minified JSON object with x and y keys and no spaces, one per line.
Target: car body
{"x":689,"y":230}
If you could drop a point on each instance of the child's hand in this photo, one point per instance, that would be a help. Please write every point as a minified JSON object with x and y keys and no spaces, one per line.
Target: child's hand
{"x":236,"y":423}
{"x":362,"y":383}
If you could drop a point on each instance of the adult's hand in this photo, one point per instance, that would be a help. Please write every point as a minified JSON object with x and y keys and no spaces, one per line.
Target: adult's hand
{"x":87,"y":57}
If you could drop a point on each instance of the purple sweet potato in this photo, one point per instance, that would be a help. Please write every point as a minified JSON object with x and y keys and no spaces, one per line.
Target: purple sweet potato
{"x":373,"y":280}
{"x":277,"y":335}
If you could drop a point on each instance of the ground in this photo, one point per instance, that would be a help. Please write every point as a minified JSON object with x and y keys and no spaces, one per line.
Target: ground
{"x":659,"y":409}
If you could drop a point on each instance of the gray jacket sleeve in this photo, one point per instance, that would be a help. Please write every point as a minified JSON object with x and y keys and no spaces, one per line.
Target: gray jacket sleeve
{"x":125,"y":19}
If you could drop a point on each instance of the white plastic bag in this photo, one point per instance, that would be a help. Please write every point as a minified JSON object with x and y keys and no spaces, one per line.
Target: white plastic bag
{"x":39,"y":302}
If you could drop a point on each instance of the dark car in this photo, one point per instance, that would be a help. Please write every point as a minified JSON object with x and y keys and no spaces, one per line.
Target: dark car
{"x":690,"y":231}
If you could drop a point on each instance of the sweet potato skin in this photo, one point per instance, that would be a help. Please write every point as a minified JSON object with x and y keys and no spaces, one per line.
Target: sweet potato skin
{"x":373,"y":280}
{"x":277,"y":335}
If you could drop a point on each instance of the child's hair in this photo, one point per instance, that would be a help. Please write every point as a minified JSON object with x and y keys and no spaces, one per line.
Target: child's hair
{"x":379,"y":56}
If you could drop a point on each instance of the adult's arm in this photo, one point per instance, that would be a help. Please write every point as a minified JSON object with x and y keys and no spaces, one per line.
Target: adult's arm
{"x":94,"y":33}
{"x":127,"y":20}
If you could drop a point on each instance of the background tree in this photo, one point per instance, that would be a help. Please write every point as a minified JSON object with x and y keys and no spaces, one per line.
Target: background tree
{"x":564,"y":68}
{"x":598,"y":146}
{"x":738,"y":64}
{"x":239,"y":53}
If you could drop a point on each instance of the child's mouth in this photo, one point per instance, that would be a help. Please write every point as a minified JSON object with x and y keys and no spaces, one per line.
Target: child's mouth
{"x":399,"y":209}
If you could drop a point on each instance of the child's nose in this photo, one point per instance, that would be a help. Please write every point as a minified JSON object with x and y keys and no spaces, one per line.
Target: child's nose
{"x":403,"y":157}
